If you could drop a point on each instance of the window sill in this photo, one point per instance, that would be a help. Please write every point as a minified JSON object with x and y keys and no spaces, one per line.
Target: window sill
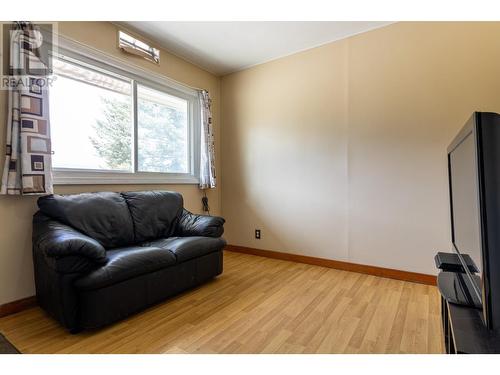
{"x":120,"y":178}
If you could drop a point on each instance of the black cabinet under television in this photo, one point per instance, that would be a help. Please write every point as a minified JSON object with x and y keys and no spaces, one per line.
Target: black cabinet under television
{"x":463,"y":325}
{"x":465,"y":332}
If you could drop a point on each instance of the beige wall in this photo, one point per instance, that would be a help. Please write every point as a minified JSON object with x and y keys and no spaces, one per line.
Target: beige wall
{"x":340,"y":151}
{"x":16,"y":270}
{"x":285,"y":154}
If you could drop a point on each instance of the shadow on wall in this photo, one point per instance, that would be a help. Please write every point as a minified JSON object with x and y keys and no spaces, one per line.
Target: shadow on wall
{"x":281,"y":202}
{"x":16,"y":264}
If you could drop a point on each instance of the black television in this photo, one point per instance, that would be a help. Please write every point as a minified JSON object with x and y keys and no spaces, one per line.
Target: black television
{"x":474,"y":183}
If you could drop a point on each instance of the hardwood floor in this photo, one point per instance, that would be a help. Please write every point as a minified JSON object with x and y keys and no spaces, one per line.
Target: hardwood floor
{"x":260,"y":305}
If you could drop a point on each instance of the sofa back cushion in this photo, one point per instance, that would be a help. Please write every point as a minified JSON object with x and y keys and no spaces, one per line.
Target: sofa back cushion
{"x":155,"y":214}
{"x":103,"y":216}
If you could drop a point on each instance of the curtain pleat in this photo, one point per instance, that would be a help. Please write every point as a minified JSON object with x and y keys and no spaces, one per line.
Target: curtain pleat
{"x":28,"y":162}
{"x":207,"y":161}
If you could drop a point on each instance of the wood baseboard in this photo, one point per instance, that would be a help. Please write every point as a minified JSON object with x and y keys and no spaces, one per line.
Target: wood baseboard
{"x":345,"y":266}
{"x":17,"y":306}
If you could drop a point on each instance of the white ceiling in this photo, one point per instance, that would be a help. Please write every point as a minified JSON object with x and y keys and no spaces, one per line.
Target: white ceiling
{"x":225,"y":47}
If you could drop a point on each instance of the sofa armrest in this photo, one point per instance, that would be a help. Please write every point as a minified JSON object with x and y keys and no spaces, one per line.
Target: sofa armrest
{"x":200,"y":225}
{"x":56,"y":241}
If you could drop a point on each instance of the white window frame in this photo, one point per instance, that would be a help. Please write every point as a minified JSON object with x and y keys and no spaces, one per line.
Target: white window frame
{"x":74,"y":51}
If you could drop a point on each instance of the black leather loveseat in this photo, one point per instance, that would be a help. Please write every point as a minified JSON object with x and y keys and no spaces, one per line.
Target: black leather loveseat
{"x":100,"y":257}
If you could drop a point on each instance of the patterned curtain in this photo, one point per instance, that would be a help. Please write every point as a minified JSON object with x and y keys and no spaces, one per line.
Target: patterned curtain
{"x":207,"y":164}
{"x":28,"y":165}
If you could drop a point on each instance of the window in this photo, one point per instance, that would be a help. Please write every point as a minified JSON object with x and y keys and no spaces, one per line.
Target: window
{"x":129,"y":44}
{"x":91,"y":119}
{"x":162,"y":132}
{"x":110,"y":125}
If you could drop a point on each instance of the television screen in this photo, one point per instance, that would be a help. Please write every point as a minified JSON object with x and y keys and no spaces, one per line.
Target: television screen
{"x":465,"y":200}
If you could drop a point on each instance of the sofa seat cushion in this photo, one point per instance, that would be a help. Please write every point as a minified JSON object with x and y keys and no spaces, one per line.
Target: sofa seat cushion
{"x":126,"y":263}
{"x":186,"y":248}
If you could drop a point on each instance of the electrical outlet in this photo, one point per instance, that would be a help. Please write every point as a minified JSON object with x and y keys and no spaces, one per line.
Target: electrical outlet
{"x":257,"y":234}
